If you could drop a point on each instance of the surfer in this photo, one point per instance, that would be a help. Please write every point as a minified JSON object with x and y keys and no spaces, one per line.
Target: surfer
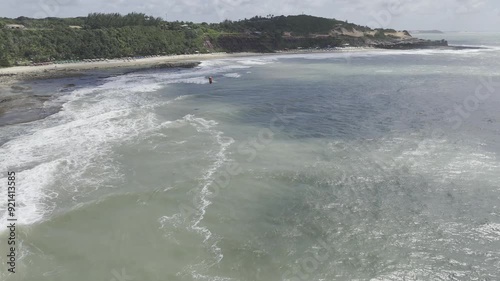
{"x":210,"y":79}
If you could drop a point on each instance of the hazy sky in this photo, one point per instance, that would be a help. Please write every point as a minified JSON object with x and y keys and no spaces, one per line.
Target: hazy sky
{"x":463,"y":15}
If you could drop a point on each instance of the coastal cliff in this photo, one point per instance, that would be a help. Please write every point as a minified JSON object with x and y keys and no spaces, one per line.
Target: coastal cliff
{"x":272,"y":33}
{"x":245,"y":43}
{"x":98,"y":37}
{"x":411,"y":44}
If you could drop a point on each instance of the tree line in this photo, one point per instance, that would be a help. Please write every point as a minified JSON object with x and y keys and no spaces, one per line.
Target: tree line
{"x":70,"y":44}
{"x":113,"y":35}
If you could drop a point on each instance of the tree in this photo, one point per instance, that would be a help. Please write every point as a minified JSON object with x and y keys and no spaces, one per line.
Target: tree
{"x":5,"y":60}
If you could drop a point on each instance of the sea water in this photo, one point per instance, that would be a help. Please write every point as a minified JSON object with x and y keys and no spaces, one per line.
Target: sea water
{"x":372,"y":165}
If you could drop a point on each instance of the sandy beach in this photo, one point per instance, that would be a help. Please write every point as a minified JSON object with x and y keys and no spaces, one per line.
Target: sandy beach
{"x":12,"y":74}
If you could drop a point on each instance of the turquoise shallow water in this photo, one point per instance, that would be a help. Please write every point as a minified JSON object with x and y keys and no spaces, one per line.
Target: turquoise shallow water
{"x":380,"y":165}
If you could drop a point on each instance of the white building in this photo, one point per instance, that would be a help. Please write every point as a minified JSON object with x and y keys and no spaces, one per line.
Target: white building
{"x":15,"y":26}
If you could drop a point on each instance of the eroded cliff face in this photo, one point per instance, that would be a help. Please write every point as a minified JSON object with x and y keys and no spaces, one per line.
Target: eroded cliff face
{"x":244,"y":43}
{"x":264,"y":43}
{"x":411,"y":44}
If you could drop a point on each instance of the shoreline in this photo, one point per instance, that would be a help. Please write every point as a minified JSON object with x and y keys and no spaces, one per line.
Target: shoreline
{"x":15,"y":74}
{"x":12,"y":75}
{"x":19,"y":102}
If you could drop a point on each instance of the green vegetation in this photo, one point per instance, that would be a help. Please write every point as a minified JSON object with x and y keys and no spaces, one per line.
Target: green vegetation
{"x":47,"y":23}
{"x":100,"y":36}
{"x":301,"y":25}
{"x":98,"y":20}
{"x":114,"y":36}
{"x":69,"y":44}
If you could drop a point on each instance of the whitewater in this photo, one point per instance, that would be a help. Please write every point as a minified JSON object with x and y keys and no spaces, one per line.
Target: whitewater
{"x":370,"y":165}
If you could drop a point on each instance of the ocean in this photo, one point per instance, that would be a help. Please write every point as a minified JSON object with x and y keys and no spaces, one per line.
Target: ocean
{"x":371,"y":165}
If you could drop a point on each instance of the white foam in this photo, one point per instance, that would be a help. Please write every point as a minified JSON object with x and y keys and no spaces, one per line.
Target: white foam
{"x":183,"y":97}
{"x":197,"y":75}
{"x":232,"y":75}
{"x":223,"y":65}
{"x":339,"y":54}
{"x":257,"y":61}
{"x":198,"y":276}
{"x":447,"y":161}
{"x":490,"y":232}
{"x":219,"y":158}
{"x":32,"y":193}
{"x":415,"y":274}
{"x":192,"y":80}
{"x":438,"y":159}
{"x":67,"y":155}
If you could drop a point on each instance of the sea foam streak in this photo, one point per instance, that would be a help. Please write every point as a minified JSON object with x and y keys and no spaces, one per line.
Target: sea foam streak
{"x":54,"y":158}
{"x":204,"y":194}
{"x":197,"y":75}
{"x":340,"y":54}
{"x":78,"y":138}
{"x":232,"y":75}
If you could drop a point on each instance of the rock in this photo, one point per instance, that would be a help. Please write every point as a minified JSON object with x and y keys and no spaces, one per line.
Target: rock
{"x":18,"y":89}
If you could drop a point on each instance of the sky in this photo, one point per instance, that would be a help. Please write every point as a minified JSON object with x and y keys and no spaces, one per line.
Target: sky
{"x":447,"y":15}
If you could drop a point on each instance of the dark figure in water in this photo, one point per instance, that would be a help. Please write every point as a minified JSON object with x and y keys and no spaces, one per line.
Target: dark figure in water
{"x":210,"y":79}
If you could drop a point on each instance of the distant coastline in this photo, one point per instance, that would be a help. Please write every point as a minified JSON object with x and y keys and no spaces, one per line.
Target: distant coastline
{"x":427,"y":31}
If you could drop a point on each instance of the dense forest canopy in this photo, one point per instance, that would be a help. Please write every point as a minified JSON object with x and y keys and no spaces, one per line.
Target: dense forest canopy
{"x":113,"y":35}
{"x":300,"y":25}
{"x":98,"y":20}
